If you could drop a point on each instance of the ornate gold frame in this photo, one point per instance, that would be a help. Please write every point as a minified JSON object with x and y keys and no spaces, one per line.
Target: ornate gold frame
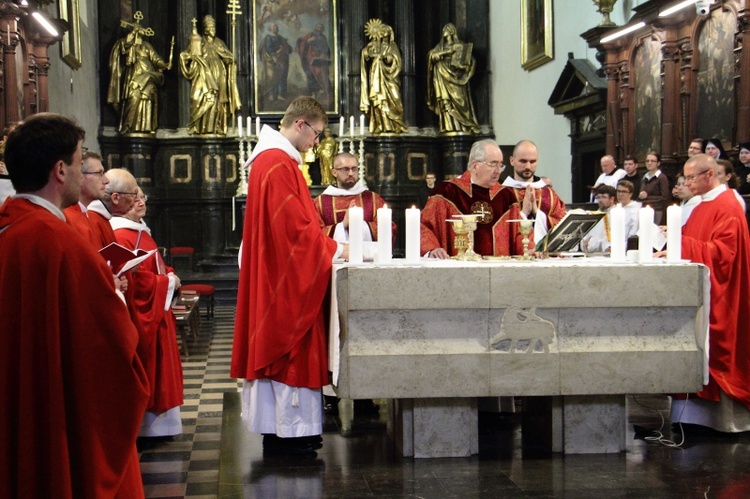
{"x":70,"y":47}
{"x":536,"y":34}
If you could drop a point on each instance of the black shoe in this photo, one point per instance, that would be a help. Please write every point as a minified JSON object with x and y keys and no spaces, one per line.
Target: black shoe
{"x":331,"y":406}
{"x":315,"y":441}
{"x":273,"y":444}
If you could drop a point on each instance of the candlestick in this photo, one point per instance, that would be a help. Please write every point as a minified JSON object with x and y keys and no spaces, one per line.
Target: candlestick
{"x":361,"y":124}
{"x":412,"y":235}
{"x":674,"y":233}
{"x":341,"y":126}
{"x":351,"y":125}
{"x":385,"y":238}
{"x":356,"y":223}
{"x":257,"y":126}
{"x":645,"y":234}
{"x":249,"y":129}
{"x":617,"y":233}
{"x":239,"y":126}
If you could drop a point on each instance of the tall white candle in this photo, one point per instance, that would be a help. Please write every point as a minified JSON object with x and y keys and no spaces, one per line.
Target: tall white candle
{"x":341,"y":126}
{"x":674,"y":233}
{"x":351,"y":126}
{"x":239,"y":126}
{"x":249,"y":130}
{"x":257,"y":126}
{"x":385,"y":235}
{"x":356,"y":225}
{"x":645,"y":234}
{"x":361,"y":124}
{"x":412,"y":235}
{"x":617,"y":233}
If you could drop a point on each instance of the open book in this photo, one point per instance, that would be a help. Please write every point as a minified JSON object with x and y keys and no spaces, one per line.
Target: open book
{"x":122,"y":259}
{"x":566,"y":235}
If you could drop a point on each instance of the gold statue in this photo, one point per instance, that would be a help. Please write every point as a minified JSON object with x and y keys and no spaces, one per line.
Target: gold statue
{"x":135,"y":71}
{"x":450,"y":66}
{"x":212,"y":72}
{"x":326,"y":151}
{"x":381,"y":88}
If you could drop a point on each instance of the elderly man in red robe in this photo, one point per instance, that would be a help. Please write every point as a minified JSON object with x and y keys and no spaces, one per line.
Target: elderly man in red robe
{"x":716,"y":235}
{"x":149,"y":297}
{"x":476,"y":191}
{"x":530,"y":197}
{"x":280,"y":347}
{"x":74,"y":389}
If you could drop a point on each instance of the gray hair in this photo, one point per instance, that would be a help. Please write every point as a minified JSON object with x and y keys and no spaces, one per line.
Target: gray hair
{"x":479,"y":149}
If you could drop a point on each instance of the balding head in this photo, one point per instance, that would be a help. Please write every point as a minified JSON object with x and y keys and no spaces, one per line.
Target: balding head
{"x":700,"y":174}
{"x":121,"y":192}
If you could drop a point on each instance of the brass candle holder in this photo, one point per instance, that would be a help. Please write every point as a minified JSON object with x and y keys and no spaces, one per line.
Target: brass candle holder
{"x":464,"y":227}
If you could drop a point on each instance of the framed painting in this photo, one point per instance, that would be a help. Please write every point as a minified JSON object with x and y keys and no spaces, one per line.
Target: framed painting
{"x":70,"y":47}
{"x":536,"y":33}
{"x":295,"y":49}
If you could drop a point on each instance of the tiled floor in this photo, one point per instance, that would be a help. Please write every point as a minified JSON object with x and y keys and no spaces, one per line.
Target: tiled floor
{"x":357,"y":459}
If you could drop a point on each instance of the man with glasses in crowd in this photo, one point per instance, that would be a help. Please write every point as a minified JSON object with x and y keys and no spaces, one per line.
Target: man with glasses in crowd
{"x":92,"y":189}
{"x":476,"y":191}
{"x":716,"y":236}
{"x":334,"y":203}
{"x":120,"y":191}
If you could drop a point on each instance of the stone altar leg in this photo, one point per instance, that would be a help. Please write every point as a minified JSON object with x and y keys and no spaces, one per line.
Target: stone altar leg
{"x":434,"y":427}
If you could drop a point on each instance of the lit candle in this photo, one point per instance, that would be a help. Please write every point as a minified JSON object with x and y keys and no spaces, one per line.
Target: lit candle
{"x":351,"y":125}
{"x":249,"y":130}
{"x":412,"y":235}
{"x":617,"y":233}
{"x":341,"y":126}
{"x":674,"y":233}
{"x":356,"y":225}
{"x":257,"y":126}
{"x":239,"y":126}
{"x":645,"y":234}
{"x":361,"y":124}
{"x":385,"y":249}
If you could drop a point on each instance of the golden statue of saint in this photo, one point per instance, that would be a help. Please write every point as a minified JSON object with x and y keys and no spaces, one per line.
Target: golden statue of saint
{"x":450,"y":66}
{"x":381,"y":88}
{"x":212,"y":72}
{"x":135,"y":72}
{"x":326,"y":151}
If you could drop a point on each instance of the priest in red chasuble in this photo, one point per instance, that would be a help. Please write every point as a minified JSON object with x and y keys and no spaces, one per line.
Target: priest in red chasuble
{"x":149,"y":297}
{"x":280,"y":346}
{"x":476,"y":191}
{"x":73,"y":389}
{"x":716,"y":235}
{"x":333,"y":205}
{"x":529,"y":197}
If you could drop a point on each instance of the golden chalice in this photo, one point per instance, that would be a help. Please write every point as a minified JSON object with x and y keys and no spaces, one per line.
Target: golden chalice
{"x":464,"y":227}
{"x":525,"y":227}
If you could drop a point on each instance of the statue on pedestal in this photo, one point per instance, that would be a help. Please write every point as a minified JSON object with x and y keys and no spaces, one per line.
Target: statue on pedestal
{"x":381,"y":88}
{"x":326,"y":151}
{"x":450,"y":66}
{"x":212,"y":72}
{"x":135,"y":72}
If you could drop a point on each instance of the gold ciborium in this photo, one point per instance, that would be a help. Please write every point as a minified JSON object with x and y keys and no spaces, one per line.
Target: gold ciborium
{"x":525,"y":227}
{"x":605,"y":8}
{"x":464,"y":227}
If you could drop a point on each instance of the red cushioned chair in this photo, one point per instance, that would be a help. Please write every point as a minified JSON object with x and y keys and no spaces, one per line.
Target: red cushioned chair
{"x":185,"y":252}
{"x":205,"y":290}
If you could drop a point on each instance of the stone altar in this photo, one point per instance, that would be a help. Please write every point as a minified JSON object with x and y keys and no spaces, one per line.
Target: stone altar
{"x":583,"y":331}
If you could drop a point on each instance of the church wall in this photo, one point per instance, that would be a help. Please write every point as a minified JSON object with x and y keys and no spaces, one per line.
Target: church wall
{"x":81,"y":101}
{"x":519,"y":97}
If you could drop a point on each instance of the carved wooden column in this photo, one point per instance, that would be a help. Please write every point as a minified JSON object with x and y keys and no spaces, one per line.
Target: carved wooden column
{"x":9,"y":16}
{"x":742,"y":71}
{"x":611,"y":72}
{"x":670,"y":81}
{"x":687,"y":109}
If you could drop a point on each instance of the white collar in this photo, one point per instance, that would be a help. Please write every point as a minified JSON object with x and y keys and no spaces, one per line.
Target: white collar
{"x":126,"y":223}
{"x":40,"y":201}
{"x":273,"y":139}
{"x":714,"y":193}
{"x":649,"y":174}
{"x":98,"y":207}
{"x":517,"y":184}
{"x":332,"y":190}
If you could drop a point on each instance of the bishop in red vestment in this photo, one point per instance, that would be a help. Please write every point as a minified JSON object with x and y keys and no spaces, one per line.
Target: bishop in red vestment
{"x":716,"y":235}
{"x":280,"y":346}
{"x":74,"y":389}
{"x":476,"y":191}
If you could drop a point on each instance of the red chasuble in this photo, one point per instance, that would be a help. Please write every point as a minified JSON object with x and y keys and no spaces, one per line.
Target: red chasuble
{"x":716,"y":235}
{"x":73,"y":390}
{"x":280,"y":331}
{"x":157,"y":348}
{"x":102,"y":229}
{"x":460,"y":196}
{"x":332,"y":209}
{"x":546,"y":200}
{"x":80,"y":222}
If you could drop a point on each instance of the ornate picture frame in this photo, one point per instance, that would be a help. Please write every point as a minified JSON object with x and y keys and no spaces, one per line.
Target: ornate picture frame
{"x":295,"y":53}
{"x":536,"y":33}
{"x":70,"y":46}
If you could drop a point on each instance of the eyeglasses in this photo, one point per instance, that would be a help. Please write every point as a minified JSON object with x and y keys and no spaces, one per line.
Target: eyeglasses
{"x":494,"y":164}
{"x":98,"y":174}
{"x":347,"y":169}
{"x":690,"y":178}
{"x":128,"y":193}
{"x":317,"y":133}
{"x":622,"y":191}
{"x":143,"y":198}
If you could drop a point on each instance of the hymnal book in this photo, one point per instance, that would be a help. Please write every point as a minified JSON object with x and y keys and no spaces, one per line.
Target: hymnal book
{"x":122,"y":259}
{"x":570,"y":231}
